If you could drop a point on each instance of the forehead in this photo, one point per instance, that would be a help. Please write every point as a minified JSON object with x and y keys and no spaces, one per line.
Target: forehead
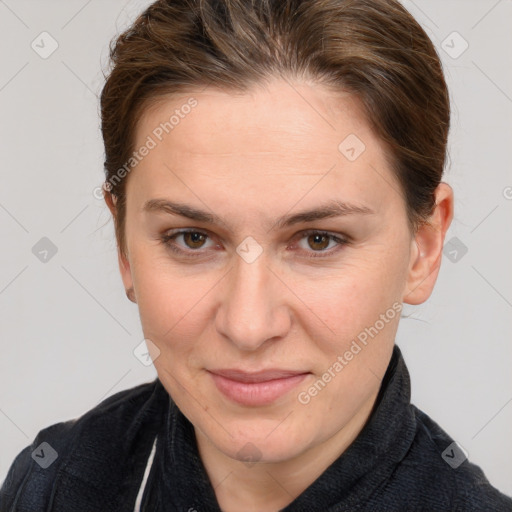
{"x":275,"y":116}
{"x":283,"y":137}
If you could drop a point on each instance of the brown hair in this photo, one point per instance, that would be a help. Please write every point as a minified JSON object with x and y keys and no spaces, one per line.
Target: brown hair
{"x":372,"y":48}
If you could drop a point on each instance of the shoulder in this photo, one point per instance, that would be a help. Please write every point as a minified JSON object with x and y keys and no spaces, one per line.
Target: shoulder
{"x":439,"y":476}
{"x":109,"y":427}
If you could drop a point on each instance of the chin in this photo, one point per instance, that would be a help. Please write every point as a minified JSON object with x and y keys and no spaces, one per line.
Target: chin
{"x":260,"y":444}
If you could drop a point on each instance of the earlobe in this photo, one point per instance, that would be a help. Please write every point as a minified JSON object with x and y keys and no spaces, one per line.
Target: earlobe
{"x":126,"y":275}
{"x":110,"y":200}
{"x":131,"y":295}
{"x":427,"y":248}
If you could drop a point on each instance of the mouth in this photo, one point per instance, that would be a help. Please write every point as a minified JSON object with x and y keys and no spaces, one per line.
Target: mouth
{"x":257,"y":388}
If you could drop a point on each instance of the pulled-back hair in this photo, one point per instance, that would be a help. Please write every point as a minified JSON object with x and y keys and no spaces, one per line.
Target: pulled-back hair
{"x":373,"y":49}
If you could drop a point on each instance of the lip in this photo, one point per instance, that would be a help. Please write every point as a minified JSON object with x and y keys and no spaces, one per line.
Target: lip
{"x":256,"y":388}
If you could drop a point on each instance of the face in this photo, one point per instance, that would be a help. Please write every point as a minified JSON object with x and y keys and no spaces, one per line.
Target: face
{"x":235,"y":275}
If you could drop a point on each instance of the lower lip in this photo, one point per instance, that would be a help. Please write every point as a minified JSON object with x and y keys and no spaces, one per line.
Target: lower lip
{"x":256,"y":393}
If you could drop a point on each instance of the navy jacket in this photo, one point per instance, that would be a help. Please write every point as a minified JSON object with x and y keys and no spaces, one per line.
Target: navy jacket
{"x":401,"y":461}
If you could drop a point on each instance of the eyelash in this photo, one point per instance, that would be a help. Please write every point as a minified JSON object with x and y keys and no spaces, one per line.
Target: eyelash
{"x":168,"y":238}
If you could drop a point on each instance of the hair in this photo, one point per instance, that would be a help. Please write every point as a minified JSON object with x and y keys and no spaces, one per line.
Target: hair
{"x":372,"y":49}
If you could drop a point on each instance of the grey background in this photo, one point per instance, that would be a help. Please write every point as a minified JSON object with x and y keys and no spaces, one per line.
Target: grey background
{"x":68,"y":332}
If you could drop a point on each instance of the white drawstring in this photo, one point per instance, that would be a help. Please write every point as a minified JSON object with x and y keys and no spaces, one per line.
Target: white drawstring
{"x":138,"y":501}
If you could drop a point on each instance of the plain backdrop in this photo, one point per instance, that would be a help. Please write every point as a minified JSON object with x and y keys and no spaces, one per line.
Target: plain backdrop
{"x":67,"y":330}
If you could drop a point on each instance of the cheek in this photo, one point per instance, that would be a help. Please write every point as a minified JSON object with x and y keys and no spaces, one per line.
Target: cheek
{"x":360,"y":310}
{"x":351,"y":297}
{"x":171,"y":303}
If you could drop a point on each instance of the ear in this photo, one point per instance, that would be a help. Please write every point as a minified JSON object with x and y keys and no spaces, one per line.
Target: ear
{"x":427,"y":248}
{"x":123,"y":261}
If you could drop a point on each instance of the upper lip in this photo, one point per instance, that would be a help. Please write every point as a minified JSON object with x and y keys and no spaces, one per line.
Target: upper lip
{"x":259,"y":376}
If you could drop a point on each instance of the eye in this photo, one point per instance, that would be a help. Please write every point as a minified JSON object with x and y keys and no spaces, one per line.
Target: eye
{"x":320,"y":242}
{"x":192,"y":239}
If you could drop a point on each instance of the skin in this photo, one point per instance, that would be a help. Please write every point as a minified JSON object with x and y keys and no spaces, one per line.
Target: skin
{"x":250,"y":159}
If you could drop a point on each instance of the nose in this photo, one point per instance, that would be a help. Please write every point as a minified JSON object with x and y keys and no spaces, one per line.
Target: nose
{"x":253,"y":308}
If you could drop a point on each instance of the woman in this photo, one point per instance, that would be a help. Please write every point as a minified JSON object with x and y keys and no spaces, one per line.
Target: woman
{"x":274,"y":174}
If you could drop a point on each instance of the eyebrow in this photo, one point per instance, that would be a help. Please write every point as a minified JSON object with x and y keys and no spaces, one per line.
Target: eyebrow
{"x":333,"y":208}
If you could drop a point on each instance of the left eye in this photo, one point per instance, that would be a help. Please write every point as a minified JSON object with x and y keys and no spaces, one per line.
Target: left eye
{"x":320,"y":242}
